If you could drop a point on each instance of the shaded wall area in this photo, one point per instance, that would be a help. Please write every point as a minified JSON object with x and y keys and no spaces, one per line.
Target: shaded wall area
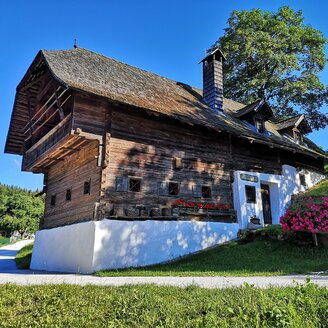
{"x":146,"y":147}
{"x":72,"y":174}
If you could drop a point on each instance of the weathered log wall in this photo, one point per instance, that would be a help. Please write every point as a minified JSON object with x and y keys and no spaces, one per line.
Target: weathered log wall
{"x":132,"y":143}
{"x":145,"y":147}
{"x":72,"y":173}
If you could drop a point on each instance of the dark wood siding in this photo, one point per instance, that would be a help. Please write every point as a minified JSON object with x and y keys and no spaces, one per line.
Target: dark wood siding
{"x":71,"y":174}
{"x":145,"y":147}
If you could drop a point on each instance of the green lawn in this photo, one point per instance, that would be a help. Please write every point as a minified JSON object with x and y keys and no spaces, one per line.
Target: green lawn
{"x":261,"y":257}
{"x":4,"y":241}
{"x":320,"y":189}
{"x":23,"y":257}
{"x":154,"y":306}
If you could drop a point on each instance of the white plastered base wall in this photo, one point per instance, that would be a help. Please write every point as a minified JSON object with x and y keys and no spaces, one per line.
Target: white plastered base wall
{"x":282,"y":187}
{"x":110,"y":244}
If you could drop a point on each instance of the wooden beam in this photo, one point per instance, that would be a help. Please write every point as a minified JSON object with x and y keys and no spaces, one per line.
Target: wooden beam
{"x":29,"y":84}
{"x":44,"y":106}
{"x":50,"y":117}
{"x":60,"y":109}
{"x":70,"y":148}
{"x":30,"y":116}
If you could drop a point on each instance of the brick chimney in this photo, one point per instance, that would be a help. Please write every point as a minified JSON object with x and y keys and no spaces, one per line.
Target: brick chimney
{"x":213,"y":79}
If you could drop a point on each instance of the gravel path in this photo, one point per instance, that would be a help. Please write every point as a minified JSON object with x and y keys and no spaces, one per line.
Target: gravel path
{"x":35,"y":278}
{"x":10,"y":274}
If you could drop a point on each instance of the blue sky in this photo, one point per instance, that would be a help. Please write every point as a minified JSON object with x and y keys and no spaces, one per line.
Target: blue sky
{"x":165,"y":37}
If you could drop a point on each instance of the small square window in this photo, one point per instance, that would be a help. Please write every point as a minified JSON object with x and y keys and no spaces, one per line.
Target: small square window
{"x":177,"y":163}
{"x":87,"y":187}
{"x":173,"y":188}
{"x":302,"y":180}
{"x":53,"y":200}
{"x":250,"y":194}
{"x":206,"y":192}
{"x":68,"y":194}
{"x":135,"y":184}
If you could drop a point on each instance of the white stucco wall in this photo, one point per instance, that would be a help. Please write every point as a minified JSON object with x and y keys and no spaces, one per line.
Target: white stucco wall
{"x":282,"y":187}
{"x":110,"y":244}
{"x":65,"y":249}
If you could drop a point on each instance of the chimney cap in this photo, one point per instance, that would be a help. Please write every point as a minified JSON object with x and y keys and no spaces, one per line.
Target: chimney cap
{"x":216,"y":51}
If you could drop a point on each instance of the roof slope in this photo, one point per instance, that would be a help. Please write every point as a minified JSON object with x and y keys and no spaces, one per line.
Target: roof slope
{"x":85,"y":70}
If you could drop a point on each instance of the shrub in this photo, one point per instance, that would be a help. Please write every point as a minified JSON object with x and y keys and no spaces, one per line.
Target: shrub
{"x":270,"y":232}
{"x":307,"y":214}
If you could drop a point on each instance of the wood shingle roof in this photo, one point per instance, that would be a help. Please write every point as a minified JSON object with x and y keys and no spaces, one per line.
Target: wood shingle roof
{"x":81,"y":69}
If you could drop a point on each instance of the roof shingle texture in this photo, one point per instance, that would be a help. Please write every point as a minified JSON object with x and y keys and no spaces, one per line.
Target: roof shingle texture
{"x":88,"y":71}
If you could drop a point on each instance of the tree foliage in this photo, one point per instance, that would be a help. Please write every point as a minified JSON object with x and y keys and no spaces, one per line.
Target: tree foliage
{"x":275,"y":56}
{"x":19,"y":210}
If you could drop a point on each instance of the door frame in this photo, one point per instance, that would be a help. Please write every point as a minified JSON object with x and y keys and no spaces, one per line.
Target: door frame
{"x":266,"y":186}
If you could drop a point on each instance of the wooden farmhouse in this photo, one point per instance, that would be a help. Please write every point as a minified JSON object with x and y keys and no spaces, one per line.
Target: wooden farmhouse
{"x":139,"y":169}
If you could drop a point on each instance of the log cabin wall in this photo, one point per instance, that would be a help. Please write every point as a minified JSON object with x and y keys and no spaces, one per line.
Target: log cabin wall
{"x":72,"y":174}
{"x":255,"y":158}
{"x":90,"y":121}
{"x":90,"y":115}
{"x":302,"y":161}
{"x":146,"y":147}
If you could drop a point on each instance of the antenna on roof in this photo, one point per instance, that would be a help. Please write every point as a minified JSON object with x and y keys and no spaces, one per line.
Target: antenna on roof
{"x":75,"y":43}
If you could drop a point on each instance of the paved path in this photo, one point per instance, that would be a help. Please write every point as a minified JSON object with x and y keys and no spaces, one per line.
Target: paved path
{"x":41,"y":278}
{"x":8,"y":253}
{"x":10,"y":274}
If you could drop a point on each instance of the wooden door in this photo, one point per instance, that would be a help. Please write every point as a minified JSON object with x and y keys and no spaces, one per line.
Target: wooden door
{"x":266,"y":205}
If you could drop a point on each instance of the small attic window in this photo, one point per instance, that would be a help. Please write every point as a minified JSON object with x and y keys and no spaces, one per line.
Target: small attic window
{"x":298,"y":137}
{"x":259,"y":124}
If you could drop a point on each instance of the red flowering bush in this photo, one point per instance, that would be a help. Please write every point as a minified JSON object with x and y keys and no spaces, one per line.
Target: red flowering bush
{"x":197,"y":206}
{"x":310,"y":214}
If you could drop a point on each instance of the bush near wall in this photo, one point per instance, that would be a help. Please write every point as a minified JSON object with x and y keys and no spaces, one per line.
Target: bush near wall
{"x":307,"y":214}
{"x":271,"y":232}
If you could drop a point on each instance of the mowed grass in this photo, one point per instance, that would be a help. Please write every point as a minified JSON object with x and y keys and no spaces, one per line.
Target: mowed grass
{"x":258,"y":258}
{"x":4,"y":241}
{"x":23,"y":257}
{"x":154,"y":306}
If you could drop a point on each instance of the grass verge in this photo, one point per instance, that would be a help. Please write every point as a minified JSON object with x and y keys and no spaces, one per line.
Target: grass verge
{"x":258,"y":258}
{"x":4,"y":241}
{"x":321,"y":189}
{"x":23,"y":257}
{"x":154,"y":306}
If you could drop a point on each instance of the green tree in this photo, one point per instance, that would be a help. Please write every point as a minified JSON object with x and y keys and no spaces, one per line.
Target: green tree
{"x":275,"y":56}
{"x":19,"y":210}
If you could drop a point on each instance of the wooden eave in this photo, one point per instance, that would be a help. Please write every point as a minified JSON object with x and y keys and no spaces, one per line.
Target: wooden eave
{"x":266,"y":141}
{"x":20,"y":116}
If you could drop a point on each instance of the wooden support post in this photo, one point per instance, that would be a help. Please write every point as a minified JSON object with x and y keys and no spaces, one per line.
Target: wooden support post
{"x":60,"y":109}
{"x":30,"y":115}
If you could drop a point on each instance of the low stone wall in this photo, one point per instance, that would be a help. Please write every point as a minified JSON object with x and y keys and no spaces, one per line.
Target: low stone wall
{"x":110,"y":244}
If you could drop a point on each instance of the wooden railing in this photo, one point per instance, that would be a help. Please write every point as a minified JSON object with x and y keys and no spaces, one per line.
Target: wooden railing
{"x":46,"y":142}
